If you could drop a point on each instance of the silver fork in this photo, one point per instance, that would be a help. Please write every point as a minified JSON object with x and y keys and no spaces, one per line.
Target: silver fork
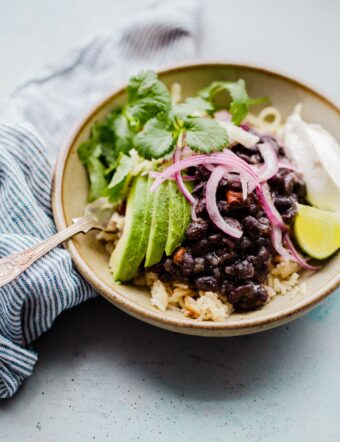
{"x":96,"y":216}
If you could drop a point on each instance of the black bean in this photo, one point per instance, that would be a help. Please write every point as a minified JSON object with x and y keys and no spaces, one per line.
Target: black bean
{"x":261,"y":274}
{"x":212,"y":259}
{"x":245,"y":243}
{"x":188,"y":264}
{"x":215,"y":238}
{"x":199,"y":265}
{"x":244,"y":270}
{"x":166,"y":277}
{"x":228,"y":242}
{"x":200,"y":247}
{"x":201,"y":208}
{"x":256,"y":227}
{"x":202,"y":173}
{"x":229,"y":270}
{"x":238,"y":293}
{"x":168,"y":265}
{"x":226,"y":287}
{"x":248,"y":296}
{"x":282,"y":202}
{"x":225,"y":255}
{"x":207,"y":283}
{"x":289,"y":216}
{"x":223,"y":207}
{"x":235,"y":185}
{"x":197,"y":229}
{"x":218,"y":273}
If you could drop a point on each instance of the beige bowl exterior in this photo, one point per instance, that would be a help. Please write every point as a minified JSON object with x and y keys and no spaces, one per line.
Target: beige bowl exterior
{"x":70,"y":188}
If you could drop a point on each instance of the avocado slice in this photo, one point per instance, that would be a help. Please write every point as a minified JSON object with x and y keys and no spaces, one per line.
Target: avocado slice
{"x":179,"y":217}
{"x":159,"y":226}
{"x":131,"y":248}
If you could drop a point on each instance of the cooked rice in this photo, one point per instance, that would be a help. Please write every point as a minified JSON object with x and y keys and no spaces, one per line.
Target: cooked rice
{"x":203,"y":306}
{"x":113,"y":232}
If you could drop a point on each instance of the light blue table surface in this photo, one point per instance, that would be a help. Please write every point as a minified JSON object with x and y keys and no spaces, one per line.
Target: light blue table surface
{"x":103,"y":375}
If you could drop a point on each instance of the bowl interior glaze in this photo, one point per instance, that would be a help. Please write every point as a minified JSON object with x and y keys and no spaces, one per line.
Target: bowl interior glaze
{"x":71,"y":187}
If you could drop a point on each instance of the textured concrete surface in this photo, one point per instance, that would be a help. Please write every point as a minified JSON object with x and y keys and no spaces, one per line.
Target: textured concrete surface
{"x":105,"y":376}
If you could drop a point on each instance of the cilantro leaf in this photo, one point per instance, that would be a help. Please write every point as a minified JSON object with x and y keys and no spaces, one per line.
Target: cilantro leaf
{"x":156,"y":139}
{"x":117,"y":188}
{"x":89,"y":154}
{"x":147,"y":97}
{"x":123,"y":134}
{"x":239,"y":105}
{"x":204,"y":135}
{"x":96,"y":172}
{"x":192,"y":105}
{"x":88,"y":149}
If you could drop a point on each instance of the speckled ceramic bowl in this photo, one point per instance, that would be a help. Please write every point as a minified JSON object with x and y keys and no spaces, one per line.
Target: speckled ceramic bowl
{"x":70,"y":190}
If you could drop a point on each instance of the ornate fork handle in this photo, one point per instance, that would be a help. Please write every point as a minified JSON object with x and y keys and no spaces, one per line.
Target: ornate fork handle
{"x":13,"y":265}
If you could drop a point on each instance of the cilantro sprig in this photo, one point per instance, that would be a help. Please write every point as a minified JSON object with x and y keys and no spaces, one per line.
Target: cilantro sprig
{"x":151,"y":125}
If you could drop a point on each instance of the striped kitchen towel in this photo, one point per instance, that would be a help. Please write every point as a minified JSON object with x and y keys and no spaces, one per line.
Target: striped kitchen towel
{"x":35,"y":121}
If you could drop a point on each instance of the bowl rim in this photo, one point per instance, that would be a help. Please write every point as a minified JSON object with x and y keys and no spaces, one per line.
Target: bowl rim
{"x":116,"y":296}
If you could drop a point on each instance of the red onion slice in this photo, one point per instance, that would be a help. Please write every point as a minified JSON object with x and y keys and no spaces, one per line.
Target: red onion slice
{"x":244,"y":184}
{"x":223,"y":158}
{"x":263,"y":194}
{"x":276,"y":237}
{"x":193,"y":210}
{"x":296,"y":256}
{"x":211,"y":204}
{"x":271,"y":162}
{"x":179,"y":180}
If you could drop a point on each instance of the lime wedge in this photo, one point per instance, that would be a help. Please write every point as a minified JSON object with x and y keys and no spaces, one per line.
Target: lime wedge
{"x":317,"y":231}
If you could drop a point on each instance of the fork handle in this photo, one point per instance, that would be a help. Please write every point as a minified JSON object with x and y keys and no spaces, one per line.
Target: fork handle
{"x":13,"y":265}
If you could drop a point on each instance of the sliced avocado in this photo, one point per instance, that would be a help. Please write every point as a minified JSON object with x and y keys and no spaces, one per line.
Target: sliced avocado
{"x":131,"y":248}
{"x":159,"y":226}
{"x":179,"y":218}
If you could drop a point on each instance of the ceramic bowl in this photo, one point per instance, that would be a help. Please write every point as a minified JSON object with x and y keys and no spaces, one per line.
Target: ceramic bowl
{"x":70,"y":190}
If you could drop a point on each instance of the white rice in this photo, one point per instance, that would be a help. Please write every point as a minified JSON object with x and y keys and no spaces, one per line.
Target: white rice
{"x":210,"y":306}
{"x":283,"y":279}
{"x":113,"y":232}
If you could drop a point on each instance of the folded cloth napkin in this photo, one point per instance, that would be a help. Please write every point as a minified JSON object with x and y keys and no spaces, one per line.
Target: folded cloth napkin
{"x":36,"y":119}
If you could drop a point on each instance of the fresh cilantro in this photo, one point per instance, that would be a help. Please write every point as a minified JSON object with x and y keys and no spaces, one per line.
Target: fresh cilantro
{"x":204,"y":135}
{"x":115,"y":191}
{"x":147,"y":97}
{"x":156,"y":139}
{"x":193,"y":105}
{"x":153,"y":126}
{"x":88,"y":149}
{"x":123,"y":134}
{"x":239,"y":105}
{"x":98,"y":183}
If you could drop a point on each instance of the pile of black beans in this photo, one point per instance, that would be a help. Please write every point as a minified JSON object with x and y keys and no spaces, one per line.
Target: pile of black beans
{"x":210,"y":260}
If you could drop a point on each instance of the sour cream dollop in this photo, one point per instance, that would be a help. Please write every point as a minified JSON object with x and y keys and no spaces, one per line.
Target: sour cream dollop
{"x":316,"y":153}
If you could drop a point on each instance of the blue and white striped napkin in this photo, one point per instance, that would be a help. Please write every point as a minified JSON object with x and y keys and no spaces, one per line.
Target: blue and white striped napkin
{"x":35,"y":121}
